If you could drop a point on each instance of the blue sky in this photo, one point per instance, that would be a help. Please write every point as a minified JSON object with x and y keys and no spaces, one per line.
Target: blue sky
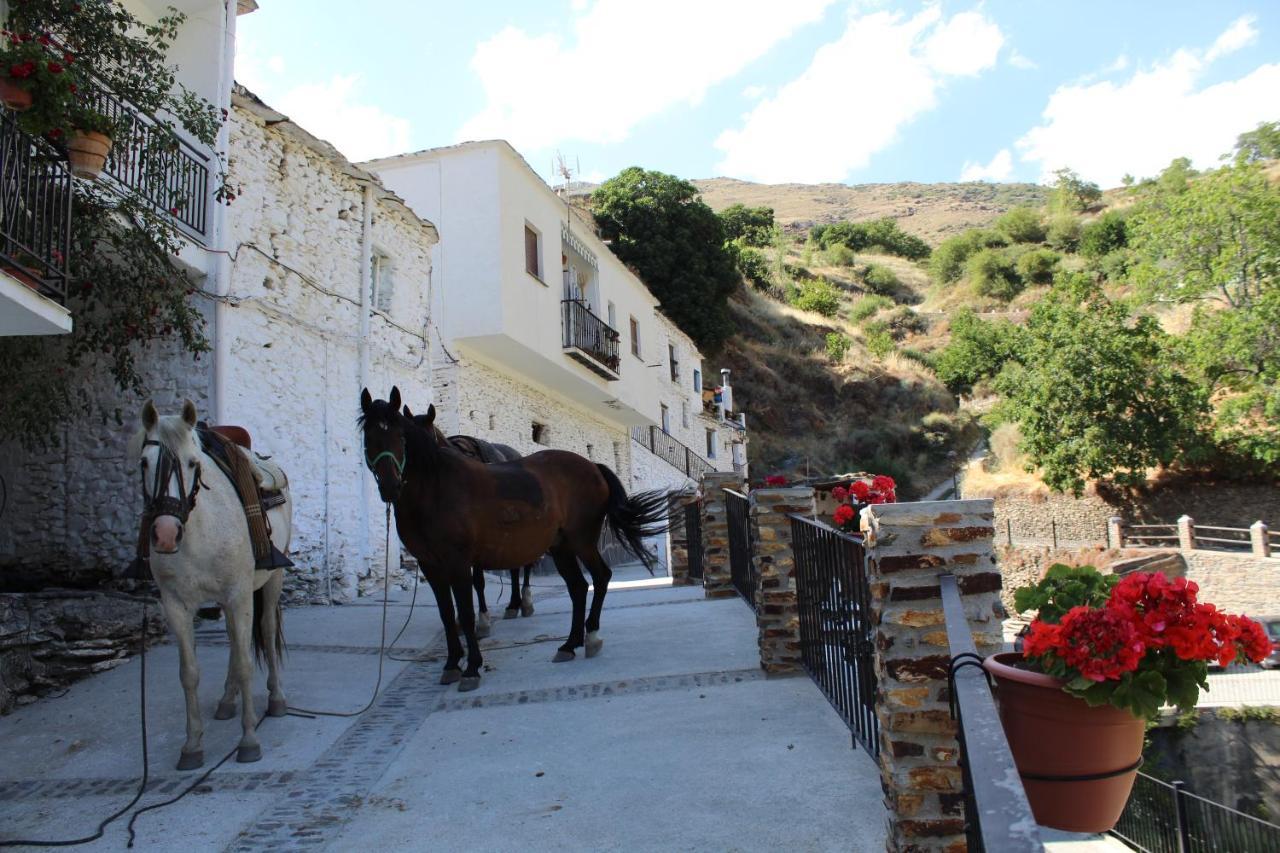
{"x":852,"y":91}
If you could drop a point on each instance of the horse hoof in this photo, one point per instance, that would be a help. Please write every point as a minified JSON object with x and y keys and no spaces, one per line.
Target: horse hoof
{"x":451,"y":676}
{"x":277,"y":707}
{"x":526,"y":608}
{"x":563,"y":655}
{"x":483,"y":631}
{"x":249,"y":754}
{"x":511,"y":613}
{"x":225,"y":711}
{"x":191,"y":760}
{"x":468,"y":683}
{"x":594,"y":645}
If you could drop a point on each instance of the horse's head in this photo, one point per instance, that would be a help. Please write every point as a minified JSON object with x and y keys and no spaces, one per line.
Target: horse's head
{"x":168,"y":456}
{"x":384,"y":440}
{"x":427,"y":422}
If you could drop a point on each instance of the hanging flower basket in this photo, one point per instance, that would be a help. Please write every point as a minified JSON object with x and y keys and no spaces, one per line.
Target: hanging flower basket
{"x":87,"y":151}
{"x":13,"y":96}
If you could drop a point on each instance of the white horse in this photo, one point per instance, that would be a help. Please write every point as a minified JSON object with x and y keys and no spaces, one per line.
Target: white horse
{"x":201,"y":551}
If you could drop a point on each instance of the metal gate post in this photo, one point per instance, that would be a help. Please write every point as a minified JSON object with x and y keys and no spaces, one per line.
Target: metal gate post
{"x":1184,"y":834}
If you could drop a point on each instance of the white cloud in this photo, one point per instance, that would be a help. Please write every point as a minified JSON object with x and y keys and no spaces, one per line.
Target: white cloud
{"x":1138,"y":125}
{"x":620,"y":66}
{"x":819,"y":128}
{"x":1018,"y":60}
{"x":334,"y":110}
{"x":754,"y":93}
{"x":1000,"y":167}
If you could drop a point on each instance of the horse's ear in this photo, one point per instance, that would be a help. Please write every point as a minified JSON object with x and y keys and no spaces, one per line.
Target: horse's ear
{"x":366,"y":400}
{"x":430,"y":416}
{"x":189,"y":413}
{"x":408,"y":413}
{"x":394,"y":399}
{"x":150,"y":417}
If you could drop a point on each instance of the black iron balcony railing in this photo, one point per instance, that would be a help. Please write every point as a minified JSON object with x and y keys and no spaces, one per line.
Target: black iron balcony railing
{"x":151,"y":161}
{"x":673,"y":452}
{"x":35,"y":211}
{"x":589,"y":339}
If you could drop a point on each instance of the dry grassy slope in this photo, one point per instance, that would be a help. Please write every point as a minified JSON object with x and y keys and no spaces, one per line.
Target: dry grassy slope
{"x":932,"y":212}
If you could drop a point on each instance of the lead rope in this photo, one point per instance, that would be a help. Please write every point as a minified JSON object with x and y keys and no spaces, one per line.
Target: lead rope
{"x":142,"y":786}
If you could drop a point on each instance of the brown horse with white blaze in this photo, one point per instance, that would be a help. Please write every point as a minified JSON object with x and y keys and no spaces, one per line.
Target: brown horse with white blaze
{"x":454,"y":512}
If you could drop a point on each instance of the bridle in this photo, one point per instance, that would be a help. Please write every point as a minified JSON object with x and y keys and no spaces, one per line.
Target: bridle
{"x":159,"y":501}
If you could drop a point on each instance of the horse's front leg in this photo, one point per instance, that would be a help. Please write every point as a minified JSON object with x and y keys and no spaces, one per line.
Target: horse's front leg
{"x":444,"y":601}
{"x":513,"y":606}
{"x":240,"y":633}
{"x":180,"y":619}
{"x":483,"y":627}
{"x":467,"y":616}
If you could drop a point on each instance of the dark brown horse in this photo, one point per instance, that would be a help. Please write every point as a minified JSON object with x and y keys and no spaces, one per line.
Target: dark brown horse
{"x":453,"y":513}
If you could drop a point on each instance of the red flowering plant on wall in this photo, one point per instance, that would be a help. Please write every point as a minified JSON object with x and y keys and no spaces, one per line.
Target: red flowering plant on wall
{"x":880,"y":489}
{"x":775,"y":480}
{"x":1137,"y":643}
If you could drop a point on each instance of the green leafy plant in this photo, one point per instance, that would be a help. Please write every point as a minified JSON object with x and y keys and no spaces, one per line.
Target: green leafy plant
{"x":868,"y":306}
{"x":837,"y":346}
{"x":881,"y":280}
{"x":1062,"y":588}
{"x":30,"y":61}
{"x":819,"y":296}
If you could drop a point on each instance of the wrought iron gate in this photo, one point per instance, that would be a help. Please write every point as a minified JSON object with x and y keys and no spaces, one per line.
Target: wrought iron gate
{"x":835,"y":623}
{"x":741,"y":567}
{"x":693,"y":539}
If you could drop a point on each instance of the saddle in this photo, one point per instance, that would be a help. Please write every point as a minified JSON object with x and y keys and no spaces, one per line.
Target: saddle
{"x":477,"y":448}
{"x":259,"y":483}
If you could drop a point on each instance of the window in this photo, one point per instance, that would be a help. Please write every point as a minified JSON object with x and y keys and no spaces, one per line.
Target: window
{"x":666,"y":419}
{"x":381,"y":283}
{"x":697,"y":381}
{"x":674,"y":362}
{"x":635,"y":337}
{"x":684,"y":413}
{"x":711,"y":444}
{"x":540,"y":434}
{"x":613,"y":316}
{"x":532,"y":252}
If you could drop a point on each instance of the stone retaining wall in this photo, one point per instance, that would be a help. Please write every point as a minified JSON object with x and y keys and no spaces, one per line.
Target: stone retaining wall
{"x":777,"y":611}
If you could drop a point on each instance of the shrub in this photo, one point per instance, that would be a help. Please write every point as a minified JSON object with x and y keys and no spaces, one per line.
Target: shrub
{"x":868,"y":306}
{"x":837,"y":346}
{"x":819,"y":296}
{"x":882,"y":233}
{"x":754,"y":266}
{"x":978,"y":350}
{"x":880,"y":279}
{"x":992,"y":274}
{"x":1104,"y":235}
{"x":753,"y":226}
{"x":840,"y":255}
{"x":902,"y":321}
{"x":878,"y":339}
{"x":1063,"y":233}
{"x":948,"y":260}
{"x":1038,"y":266}
{"x":1022,"y":225}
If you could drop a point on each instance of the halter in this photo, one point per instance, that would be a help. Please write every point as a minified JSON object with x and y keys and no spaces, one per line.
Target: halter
{"x":399,"y":463}
{"x":159,"y":501}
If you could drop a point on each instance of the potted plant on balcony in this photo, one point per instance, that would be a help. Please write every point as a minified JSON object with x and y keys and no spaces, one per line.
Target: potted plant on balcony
{"x":1102,"y":657}
{"x":35,"y":81}
{"x":89,"y":142}
{"x":880,"y":489}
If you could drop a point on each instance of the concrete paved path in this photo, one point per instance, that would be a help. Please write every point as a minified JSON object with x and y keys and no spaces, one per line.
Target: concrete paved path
{"x":670,"y":739}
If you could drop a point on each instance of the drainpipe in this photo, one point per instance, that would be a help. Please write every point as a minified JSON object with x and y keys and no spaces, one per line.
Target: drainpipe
{"x":221,"y":237}
{"x":362,"y":346}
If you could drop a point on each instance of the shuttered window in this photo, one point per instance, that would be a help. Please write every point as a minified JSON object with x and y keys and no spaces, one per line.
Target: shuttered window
{"x":531,"y":253}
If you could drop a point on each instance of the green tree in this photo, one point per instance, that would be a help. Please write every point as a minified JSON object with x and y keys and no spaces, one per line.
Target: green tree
{"x":1022,"y":225}
{"x":1261,"y":143}
{"x":992,"y":273}
{"x":658,"y":224}
{"x":948,"y":261}
{"x":1073,"y":194}
{"x":978,"y":350}
{"x":1096,"y":393}
{"x":753,"y":226}
{"x":1063,"y":232}
{"x":1103,"y":235}
{"x":1038,"y":266}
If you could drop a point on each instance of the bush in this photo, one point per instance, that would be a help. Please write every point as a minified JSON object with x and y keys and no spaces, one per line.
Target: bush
{"x":1063,"y":233}
{"x":978,"y":350}
{"x":868,"y":306}
{"x":840,"y":255}
{"x":1104,"y":235}
{"x":902,"y":321}
{"x":1022,"y":225}
{"x":880,"y":279}
{"x":948,"y":260}
{"x":1114,"y":266}
{"x":1038,"y":266}
{"x":992,"y":274}
{"x":837,"y":346}
{"x":882,"y":233}
{"x":819,"y":296}
{"x":878,"y":339}
{"x":754,"y":266}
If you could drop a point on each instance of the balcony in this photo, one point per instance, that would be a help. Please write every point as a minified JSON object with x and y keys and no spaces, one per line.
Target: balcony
{"x":671,"y":451}
{"x":35,"y":233}
{"x":590,"y":340}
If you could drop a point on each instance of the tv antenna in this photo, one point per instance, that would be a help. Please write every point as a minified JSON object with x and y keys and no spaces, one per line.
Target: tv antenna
{"x":564,"y":171}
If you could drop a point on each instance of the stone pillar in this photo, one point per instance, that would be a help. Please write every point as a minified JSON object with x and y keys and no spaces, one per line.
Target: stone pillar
{"x":717,"y":582}
{"x":1115,"y":532}
{"x":678,"y":553}
{"x":777,"y":612}
{"x":1261,"y":539}
{"x":908,"y":546}
{"x":1186,"y":533}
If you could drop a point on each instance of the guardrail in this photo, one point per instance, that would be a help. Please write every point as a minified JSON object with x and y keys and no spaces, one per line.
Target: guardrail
{"x":1164,"y":817}
{"x":35,"y":211}
{"x":741,"y":567}
{"x":584,"y":332}
{"x":1256,"y":539}
{"x":667,"y":448}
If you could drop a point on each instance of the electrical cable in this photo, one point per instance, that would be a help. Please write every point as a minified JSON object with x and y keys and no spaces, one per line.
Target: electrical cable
{"x":142,"y":786}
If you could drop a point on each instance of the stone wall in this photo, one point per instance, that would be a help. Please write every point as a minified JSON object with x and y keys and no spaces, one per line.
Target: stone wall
{"x":1237,"y":583}
{"x":716,"y":578}
{"x":908,"y":546}
{"x":1225,"y":757}
{"x":777,"y":611}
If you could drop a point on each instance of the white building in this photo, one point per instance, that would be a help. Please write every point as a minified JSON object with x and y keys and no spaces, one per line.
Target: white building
{"x":546,"y":338}
{"x":315,"y":282}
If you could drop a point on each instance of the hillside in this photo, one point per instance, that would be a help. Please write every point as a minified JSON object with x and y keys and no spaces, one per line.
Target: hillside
{"x":932,"y":212}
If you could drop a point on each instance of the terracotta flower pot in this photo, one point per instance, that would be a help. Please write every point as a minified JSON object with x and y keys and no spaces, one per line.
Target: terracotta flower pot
{"x":1077,"y":763}
{"x":14,"y":96}
{"x":87,"y":151}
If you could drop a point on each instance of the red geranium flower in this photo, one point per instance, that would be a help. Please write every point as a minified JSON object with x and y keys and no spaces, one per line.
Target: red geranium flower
{"x":773,"y":479}
{"x":22,"y":70}
{"x":883,"y":483}
{"x":55,"y":68}
{"x":1102,"y":644}
{"x":840,"y":493}
{"x":860,"y":490}
{"x":843,"y":515}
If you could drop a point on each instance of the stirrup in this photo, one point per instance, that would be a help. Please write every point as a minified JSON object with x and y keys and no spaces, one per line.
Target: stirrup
{"x":274,"y":560}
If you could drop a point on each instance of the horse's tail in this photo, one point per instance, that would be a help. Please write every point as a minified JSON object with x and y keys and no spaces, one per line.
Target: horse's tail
{"x":633,"y":518}
{"x":260,"y":639}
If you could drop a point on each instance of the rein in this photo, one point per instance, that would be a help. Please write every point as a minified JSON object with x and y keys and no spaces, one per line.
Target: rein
{"x":159,"y":501}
